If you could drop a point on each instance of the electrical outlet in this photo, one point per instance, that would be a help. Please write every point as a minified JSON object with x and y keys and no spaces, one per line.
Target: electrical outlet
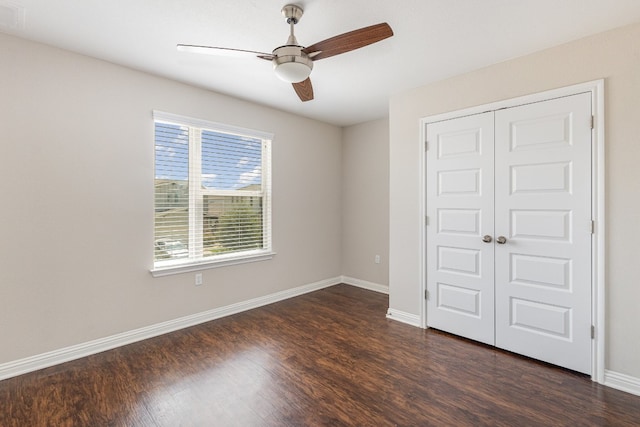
{"x":198,"y":279}
{"x":377,"y":259}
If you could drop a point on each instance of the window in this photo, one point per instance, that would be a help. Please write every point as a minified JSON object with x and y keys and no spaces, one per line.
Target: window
{"x":212,"y":194}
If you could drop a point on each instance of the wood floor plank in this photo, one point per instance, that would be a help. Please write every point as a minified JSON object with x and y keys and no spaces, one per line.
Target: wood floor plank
{"x":328,"y":358}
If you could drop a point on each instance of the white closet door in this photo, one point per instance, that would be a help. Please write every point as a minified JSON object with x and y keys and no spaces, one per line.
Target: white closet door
{"x":543,"y":210}
{"x":459,"y":179}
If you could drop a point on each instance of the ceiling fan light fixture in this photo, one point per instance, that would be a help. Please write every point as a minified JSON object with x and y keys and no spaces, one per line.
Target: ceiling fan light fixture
{"x":291,"y":64}
{"x":292,"y":72}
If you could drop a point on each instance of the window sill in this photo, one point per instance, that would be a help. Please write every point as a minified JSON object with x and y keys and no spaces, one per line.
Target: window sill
{"x":186,"y":267}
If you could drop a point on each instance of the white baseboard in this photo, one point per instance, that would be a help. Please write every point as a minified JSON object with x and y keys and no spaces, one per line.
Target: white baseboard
{"x":622,"y":382}
{"x":365,"y":285}
{"x":45,"y":360}
{"x":401,"y":316}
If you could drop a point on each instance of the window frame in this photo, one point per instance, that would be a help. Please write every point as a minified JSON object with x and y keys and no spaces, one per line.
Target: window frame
{"x":195,"y":261}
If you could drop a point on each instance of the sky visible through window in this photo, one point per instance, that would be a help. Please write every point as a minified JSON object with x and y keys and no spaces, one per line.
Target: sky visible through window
{"x":229,"y":162}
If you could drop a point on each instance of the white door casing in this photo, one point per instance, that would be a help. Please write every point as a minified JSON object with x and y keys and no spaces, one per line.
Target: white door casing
{"x":543,"y":208}
{"x":540,"y":290}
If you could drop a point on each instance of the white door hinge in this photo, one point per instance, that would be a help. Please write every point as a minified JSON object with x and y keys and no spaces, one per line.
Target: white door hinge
{"x":593,"y":227}
{"x":593,"y":122}
{"x":426,"y":146}
{"x":426,"y":295}
{"x":426,"y":220}
{"x":593,"y":332}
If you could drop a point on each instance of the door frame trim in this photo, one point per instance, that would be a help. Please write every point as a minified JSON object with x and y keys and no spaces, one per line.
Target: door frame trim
{"x":598,"y":267}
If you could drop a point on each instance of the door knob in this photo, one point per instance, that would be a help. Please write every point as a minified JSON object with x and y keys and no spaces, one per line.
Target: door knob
{"x":501,"y":240}
{"x":487,"y":239}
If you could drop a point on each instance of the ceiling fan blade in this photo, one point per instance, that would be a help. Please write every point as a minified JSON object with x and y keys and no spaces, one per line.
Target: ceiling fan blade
{"x":224,"y":51}
{"x":349,"y":41}
{"x":304,"y":89}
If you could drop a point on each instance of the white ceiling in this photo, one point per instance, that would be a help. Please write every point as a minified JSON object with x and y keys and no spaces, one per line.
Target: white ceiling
{"x":434,"y":39}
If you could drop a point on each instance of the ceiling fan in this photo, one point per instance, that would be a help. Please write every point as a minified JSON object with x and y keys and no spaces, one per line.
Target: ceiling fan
{"x":293,"y":63}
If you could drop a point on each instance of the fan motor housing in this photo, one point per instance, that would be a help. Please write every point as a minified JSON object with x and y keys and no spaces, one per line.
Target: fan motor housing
{"x":291,"y":64}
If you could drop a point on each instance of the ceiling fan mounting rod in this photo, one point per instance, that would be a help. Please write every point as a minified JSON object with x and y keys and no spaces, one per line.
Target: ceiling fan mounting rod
{"x":292,"y":41}
{"x":293,"y":14}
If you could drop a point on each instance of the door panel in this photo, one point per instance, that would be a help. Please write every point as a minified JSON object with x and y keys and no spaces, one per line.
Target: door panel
{"x":541,"y":271}
{"x":539,"y":318}
{"x":543,"y":208}
{"x":541,"y":178}
{"x":459,"y":183}
{"x":540,"y":224}
{"x":460,"y":210}
{"x":459,"y":221}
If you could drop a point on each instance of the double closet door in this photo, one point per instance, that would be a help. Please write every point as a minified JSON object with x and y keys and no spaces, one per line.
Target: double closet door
{"x":510,"y":228}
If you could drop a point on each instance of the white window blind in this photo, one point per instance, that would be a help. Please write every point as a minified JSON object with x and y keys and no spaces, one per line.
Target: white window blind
{"x":212,"y":193}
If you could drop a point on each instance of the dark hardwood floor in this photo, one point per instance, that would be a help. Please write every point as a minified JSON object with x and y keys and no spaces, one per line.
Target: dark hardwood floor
{"x":328,"y":358}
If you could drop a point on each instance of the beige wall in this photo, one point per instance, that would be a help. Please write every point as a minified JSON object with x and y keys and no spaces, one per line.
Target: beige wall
{"x":614,"y":56}
{"x":365,"y":201}
{"x":76,"y":179}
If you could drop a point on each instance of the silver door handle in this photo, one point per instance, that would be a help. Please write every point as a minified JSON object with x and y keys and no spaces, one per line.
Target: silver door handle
{"x":487,"y":239}
{"x":501,"y":240}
